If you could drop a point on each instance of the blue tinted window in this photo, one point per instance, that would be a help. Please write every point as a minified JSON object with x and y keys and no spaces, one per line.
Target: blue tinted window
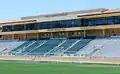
{"x":65,"y":24}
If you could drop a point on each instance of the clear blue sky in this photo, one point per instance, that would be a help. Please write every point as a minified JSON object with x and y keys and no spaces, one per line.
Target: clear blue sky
{"x":14,"y":9}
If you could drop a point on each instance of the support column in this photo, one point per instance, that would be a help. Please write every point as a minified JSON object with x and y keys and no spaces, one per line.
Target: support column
{"x":37,"y":36}
{"x":2,"y":37}
{"x":103,"y":33}
{"x":24,"y":36}
{"x":84,"y":33}
{"x":67,"y":34}
{"x":51,"y":34}
{"x":13,"y":36}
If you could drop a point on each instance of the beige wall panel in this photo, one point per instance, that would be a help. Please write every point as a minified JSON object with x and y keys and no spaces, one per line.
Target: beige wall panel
{"x":31,"y":36}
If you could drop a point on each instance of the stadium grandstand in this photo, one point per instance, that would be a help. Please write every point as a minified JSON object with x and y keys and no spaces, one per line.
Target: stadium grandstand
{"x":86,"y":33}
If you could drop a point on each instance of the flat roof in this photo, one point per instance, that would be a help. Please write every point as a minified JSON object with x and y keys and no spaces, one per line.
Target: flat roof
{"x":20,"y":21}
{"x":78,"y":13}
{"x":82,"y":12}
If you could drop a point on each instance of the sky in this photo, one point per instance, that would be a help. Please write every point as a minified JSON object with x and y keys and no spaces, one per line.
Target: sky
{"x":15,"y":9}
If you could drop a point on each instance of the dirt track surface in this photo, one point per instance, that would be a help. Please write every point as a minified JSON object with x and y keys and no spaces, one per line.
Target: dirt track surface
{"x":64,"y":59}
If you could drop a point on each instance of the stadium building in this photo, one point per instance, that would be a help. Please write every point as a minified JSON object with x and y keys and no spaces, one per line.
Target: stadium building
{"x":85,"y":33}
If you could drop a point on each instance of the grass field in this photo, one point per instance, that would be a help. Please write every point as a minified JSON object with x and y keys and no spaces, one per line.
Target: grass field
{"x":54,"y":68}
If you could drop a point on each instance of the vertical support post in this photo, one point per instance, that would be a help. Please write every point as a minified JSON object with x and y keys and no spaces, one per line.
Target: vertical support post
{"x":3,"y":37}
{"x":38,"y":36}
{"x":24,"y":36}
{"x":67,"y":34}
{"x":80,"y":33}
{"x":13,"y":36}
{"x":84,"y":33}
{"x":25,"y":27}
{"x":51,"y":34}
{"x":103,"y":33}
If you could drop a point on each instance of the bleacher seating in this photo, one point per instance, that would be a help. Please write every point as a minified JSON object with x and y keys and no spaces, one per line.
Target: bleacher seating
{"x":50,"y":44}
{"x":109,"y":49}
{"x":22,"y":47}
{"x":87,"y":47}
{"x":67,"y":43}
{"x":32,"y":47}
{"x":78,"y":46}
{"x":6,"y":46}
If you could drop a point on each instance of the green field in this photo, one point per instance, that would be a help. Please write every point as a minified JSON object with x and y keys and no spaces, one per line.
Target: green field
{"x":55,"y":68}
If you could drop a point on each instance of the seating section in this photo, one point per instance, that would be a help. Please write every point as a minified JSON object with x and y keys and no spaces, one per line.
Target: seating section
{"x":50,"y":47}
{"x":50,"y":44}
{"x":66,"y":44}
{"x":22,"y":47}
{"x":99,"y":47}
{"x":91,"y":46}
{"x":109,"y":49}
{"x":6,"y":46}
{"x":81,"y":43}
{"x":34,"y":46}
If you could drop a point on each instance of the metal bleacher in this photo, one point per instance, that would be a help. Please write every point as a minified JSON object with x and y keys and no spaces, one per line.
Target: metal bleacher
{"x":51,"y":47}
{"x":46,"y":47}
{"x":63,"y":47}
{"x":6,"y":46}
{"x":34,"y":46}
{"x":83,"y":47}
{"x":79,"y":45}
{"x":22,"y":47}
{"x":109,"y":49}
